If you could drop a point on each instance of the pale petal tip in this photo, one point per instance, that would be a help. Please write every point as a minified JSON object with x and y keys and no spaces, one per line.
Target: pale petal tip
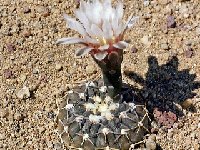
{"x":121,"y":45}
{"x":101,"y":55}
{"x":132,"y":21}
{"x":59,"y":41}
{"x":83,"y":51}
{"x":70,"y":40}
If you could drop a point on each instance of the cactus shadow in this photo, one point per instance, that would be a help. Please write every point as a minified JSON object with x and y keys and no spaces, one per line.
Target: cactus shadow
{"x":165,"y":86}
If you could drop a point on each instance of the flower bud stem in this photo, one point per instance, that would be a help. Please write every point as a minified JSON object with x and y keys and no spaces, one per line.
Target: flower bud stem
{"x":111,"y":70}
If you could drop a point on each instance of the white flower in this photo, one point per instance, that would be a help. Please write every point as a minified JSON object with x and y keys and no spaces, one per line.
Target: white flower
{"x":101,"y":27}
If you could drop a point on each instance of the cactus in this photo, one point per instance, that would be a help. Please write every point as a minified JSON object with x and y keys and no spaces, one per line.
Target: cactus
{"x":97,"y":116}
{"x":89,"y":119}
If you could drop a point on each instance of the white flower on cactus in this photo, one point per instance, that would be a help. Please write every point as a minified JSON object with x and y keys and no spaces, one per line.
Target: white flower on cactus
{"x":101,"y":27}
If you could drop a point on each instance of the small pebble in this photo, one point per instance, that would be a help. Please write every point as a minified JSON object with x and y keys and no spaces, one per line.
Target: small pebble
{"x":77,"y":1}
{"x":189,"y":53}
{"x":33,"y":15}
{"x":12,"y":57}
{"x":26,"y":33}
{"x":134,"y":50}
{"x":41,"y":129}
{"x":23,"y":93}
{"x":18,"y":116}
{"x":150,"y":144}
{"x":146,"y":3}
{"x":164,"y":2}
{"x":90,"y":69}
{"x":198,"y":30}
{"x":4,"y":112}
{"x":199,"y":125}
{"x":164,"y":46}
{"x":10,"y":47}
{"x":35,"y":71}
{"x":187,"y":104}
{"x":45,"y":12}
{"x":26,"y":10}
{"x":58,"y":66}
{"x":152,"y":137}
{"x":8,"y":73}
{"x":58,"y":146}
{"x":171,"y":23}
{"x":23,"y":77}
{"x":145,"y":40}
{"x":154,"y":130}
{"x":2,"y":136}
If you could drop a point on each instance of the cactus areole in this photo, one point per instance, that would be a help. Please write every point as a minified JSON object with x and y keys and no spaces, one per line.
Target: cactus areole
{"x":102,"y":34}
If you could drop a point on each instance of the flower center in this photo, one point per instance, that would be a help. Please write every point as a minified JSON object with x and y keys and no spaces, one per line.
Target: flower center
{"x":102,"y":41}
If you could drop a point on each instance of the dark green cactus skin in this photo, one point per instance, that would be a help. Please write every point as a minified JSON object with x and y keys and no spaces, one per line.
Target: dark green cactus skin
{"x":72,"y":131}
{"x":111,"y":70}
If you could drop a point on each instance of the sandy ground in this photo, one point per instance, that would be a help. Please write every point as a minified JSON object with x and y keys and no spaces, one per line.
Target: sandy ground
{"x":34,"y":71}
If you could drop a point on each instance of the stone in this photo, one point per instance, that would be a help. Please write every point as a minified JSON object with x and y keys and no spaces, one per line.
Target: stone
{"x":41,"y":129}
{"x":164,"y":46}
{"x":171,"y":23}
{"x":45,"y":12}
{"x":145,"y":40}
{"x":18,"y":116}
{"x":8,"y":73}
{"x":146,"y":3}
{"x":187,"y":103}
{"x":134,"y":50}
{"x":26,"y":10}
{"x":199,"y":125}
{"x":4,"y":112}
{"x":26,"y":33}
{"x":163,"y":2}
{"x":90,"y":69}
{"x":2,"y":136}
{"x":152,"y":137}
{"x":35,"y":71}
{"x":22,"y":77}
{"x":188,"y":53}
{"x":10,"y":47}
{"x":33,"y":15}
{"x":150,"y":144}
{"x":198,"y":30}
{"x":12,"y":57}
{"x":23,"y":93}
{"x":58,"y":66}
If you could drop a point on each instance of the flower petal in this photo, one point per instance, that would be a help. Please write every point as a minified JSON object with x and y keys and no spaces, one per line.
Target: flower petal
{"x":104,"y":47}
{"x":131,"y":21}
{"x":121,"y":45}
{"x":70,"y":40}
{"x":101,"y":55}
{"x":82,"y":18}
{"x":96,"y":30}
{"x":83,"y":51}
{"x":97,"y":9}
{"x":107,"y":30}
{"x":83,"y":5}
{"x":119,"y":11}
{"x":75,"y":25}
{"x":107,"y":10}
{"x":90,"y":40}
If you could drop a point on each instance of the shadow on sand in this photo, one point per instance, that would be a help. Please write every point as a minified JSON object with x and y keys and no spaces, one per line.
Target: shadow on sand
{"x":165,"y":86}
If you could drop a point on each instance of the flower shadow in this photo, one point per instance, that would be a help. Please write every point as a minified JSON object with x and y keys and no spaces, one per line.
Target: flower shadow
{"x":165,"y":87}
